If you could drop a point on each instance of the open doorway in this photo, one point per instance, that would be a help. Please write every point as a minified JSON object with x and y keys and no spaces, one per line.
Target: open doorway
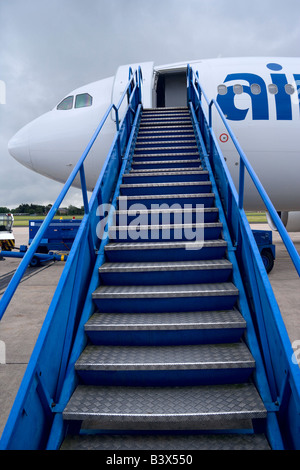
{"x":170,"y":89}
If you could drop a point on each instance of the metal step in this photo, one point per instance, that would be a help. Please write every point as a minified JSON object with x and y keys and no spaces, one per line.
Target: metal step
{"x":212,"y":442}
{"x":166,"y":177}
{"x":151,"y":201}
{"x":184,"y":136}
{"x":162,"y":299}
{"x":175,"y":131}
{"x":144,"y":145}
{"x":174,"y":128}
{"x":166,"y":321}
{"x":165,"y":109}
{"x":165,"y":329}
{"x":165,"y":188}
{"x":166,"y":164}
{"x":166,"y":232}
{"x":158,"y":266}
{"x":217,"y":327}
{"x":165,"y":273}
{"x":168,"y":408}
{"x":165,"y":114}
{"x":165,"y":251}
{"x":165,"y":365}
{"x":167,"y":216}
{"x":158,"y":171}
{"x":165,"y":121}
{"x":203,"y":290}
{"x":227,"y":356}
{"x":154,"y":111}
{"x":167,"y":157}
{"x":182,"y":149}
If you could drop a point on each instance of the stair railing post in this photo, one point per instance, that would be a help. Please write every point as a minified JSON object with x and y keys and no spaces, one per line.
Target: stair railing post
{"x":140,"y":79}
{"x":189,"y":91}
{"x":198,"y":86}
{"x":118,"y":138}
{"x":242,"y":184}
{"x":211,"y":153}
{"x":241,"y":203}
{"x":84,"y":190}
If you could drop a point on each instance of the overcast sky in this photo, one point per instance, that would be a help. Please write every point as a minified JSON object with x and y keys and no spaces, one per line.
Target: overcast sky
{"x":50,"y":47}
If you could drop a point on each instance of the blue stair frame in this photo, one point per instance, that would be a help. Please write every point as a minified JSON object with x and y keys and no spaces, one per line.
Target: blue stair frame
{"x":156,"y":337}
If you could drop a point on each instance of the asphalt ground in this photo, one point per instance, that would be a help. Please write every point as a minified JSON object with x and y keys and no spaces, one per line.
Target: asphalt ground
{"x":21,"y":324}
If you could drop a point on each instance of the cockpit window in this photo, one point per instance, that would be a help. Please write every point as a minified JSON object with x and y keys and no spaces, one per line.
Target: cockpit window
{"x":67,"y":103}
{"x":83,"y":100}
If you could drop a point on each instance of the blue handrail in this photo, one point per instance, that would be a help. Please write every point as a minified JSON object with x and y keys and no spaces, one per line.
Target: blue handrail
{"x":245,"y":164}
{"x":79,"y":168}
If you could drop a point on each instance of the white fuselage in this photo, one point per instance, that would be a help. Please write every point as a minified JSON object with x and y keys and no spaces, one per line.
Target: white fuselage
{"x":259,"y":96}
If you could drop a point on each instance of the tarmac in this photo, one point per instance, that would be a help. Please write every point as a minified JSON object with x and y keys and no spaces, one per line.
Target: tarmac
{"x":22,"y":322}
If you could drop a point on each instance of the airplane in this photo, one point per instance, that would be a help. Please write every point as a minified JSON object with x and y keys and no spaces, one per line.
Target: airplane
{"x":260,"y":98}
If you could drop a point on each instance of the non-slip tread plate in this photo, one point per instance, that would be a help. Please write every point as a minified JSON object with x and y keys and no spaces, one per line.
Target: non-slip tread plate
{"x":172,"y":141}
{"x":195,"y":290}
{"x":133,"y":227}
{"x":170,"y":321}
{"x":165,"y":185}
{"x":199,"y":357}
{"x":167,"y":136}
{"x":158,"y":171}
{"x":166,"y":266}
{"x":167,"y":196}
{"x":171,"y":127}
{"x":190,"y":405}
{"x":171,"y":210}
{"x":163,"y":162}
{"x":165,"y":245}
{"x":164,"y":155}
{"x":166,"y":173}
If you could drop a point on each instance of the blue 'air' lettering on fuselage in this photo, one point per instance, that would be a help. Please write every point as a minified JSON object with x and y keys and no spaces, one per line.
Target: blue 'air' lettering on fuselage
{"x":283,"y":100}
{"x":260,"y":104}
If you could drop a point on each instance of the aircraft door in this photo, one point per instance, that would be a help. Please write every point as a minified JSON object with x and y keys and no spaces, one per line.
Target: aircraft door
{"x":121,"y":80}
{"x":171,"y":88}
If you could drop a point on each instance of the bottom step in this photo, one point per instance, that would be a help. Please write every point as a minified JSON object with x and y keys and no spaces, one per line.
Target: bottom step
{"x":163,"y":442}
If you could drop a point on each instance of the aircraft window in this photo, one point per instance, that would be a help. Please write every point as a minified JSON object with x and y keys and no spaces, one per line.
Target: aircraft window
{"x":222,"y":90}
{"x":67,"y":103}
{"x":83,"y":100}
{"x":255,"y":89}
{"x":290,"y":90}
{"x":273,"y":89}
{"x":238,"y":89}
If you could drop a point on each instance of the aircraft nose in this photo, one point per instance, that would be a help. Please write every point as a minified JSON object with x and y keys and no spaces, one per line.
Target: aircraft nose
{"x":19,"y":148}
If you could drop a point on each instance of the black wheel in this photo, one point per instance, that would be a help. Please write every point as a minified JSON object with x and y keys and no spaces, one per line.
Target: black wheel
{"x":35,"y":262}
{"x":268,"y":260}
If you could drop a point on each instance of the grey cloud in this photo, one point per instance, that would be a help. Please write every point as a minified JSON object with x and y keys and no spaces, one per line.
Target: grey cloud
{"x":51,"y":47}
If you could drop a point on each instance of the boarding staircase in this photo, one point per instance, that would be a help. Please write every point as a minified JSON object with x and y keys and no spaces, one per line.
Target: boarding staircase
{"x":165,"y":348}
{"x":166,"y":354}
